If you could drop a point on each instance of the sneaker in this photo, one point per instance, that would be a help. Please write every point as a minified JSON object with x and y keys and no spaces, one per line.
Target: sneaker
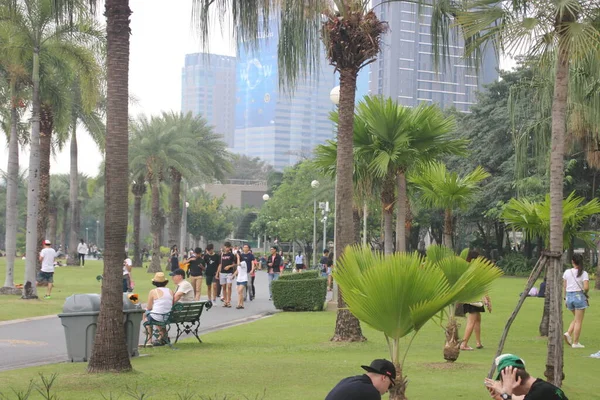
{"x":47,"y":297}
{"x":577,"y":346}
{"x":595,"y":355}
{"x":568,"y":338}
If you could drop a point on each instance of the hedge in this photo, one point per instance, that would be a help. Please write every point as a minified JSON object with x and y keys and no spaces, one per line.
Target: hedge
{"x":312,"y":274}
{"x":297,"y":294}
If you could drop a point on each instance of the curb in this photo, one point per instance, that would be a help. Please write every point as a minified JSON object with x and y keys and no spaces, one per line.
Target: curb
{"x":18,"y":321}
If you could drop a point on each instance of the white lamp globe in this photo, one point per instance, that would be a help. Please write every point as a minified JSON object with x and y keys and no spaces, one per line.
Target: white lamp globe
{"x":266,"y":197}
{"x":334,"y":95}
{"x":314,"y":184}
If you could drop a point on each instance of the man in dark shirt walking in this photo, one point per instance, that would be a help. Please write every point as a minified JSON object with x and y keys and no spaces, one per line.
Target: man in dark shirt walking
{"x":212,"y":261}
{"x":196,"y":267}
{"x":370,"y":386}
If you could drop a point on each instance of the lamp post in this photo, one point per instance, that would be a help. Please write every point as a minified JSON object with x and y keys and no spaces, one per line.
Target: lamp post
{"x":314,"y":184}
{"x":266,"y":198}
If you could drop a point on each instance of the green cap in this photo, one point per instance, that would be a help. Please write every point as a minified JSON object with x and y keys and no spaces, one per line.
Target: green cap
{"x":508,"y":360}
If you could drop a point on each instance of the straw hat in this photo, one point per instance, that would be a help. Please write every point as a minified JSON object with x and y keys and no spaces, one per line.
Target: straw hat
{"x":159,"y":277}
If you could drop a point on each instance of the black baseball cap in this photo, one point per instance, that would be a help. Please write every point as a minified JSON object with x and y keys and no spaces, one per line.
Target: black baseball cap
{"x":382,"y":367}
{"x":178,"y":271}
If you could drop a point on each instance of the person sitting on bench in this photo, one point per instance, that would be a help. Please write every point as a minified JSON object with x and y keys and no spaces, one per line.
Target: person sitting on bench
{"x":160,"y":302}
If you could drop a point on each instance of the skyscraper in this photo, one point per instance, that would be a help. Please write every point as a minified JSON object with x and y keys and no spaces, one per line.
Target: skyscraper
{"x":273,"y":126}
{"x":208,"y":89}
{"x":405,"y":69}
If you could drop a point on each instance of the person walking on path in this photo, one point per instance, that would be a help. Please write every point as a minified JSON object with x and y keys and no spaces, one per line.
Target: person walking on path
{"x":82,"y":250}
{"x":274,"y":264}
{"x":174,"y":258}
{"x":196,"y":267}
{"x":241,"y":280}
{"x":473,"y":312}
{"x":229,"y":261}
{"x":514,"y":383}
{"x":299,"y":262}
{"x":576,"y":284}
{"x":370,"y":386}
{"x":250,"y":260}
{"x":46,"y":275}
{"x":211,"y":261}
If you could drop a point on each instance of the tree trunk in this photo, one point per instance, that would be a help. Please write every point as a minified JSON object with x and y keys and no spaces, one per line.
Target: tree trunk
{"x":408,"y":226}
{"x":452,"y":345}
{"x":12,"y":190}
{"x":365,"y":223}
{"x":387,"y":203}
{"x":33,"y":182}
{"x":397,"y":392}
{"x":65,"y":226}
{"x":448,"y":228}
{"x":110,"y":352}
{"x":46,"y":127}
{"x":52,"y":225}
{"x":347,"y":326}
{"x":554,"y":360}
{"x":137,"y":208}
{"x":175,"y":214}
{"x":156,"y":226}
{"x":597,"y":284}
{"x":71,"y":249}
{"x":356,"y":217}
{"x":401,"y":214}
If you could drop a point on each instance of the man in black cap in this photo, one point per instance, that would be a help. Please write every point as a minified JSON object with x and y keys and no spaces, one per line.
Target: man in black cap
{"x":370,"y":386}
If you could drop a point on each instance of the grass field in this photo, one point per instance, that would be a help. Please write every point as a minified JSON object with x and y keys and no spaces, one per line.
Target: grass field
{"x":289,"y":355}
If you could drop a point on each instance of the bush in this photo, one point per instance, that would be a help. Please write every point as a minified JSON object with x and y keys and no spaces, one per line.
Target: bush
{"x":301,"y":276}
{"x":299,"y":294}
{"x":516,"y":264}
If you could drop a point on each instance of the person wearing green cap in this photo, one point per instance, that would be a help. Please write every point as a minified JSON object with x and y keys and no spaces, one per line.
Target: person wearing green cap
{"x":514,"y":383}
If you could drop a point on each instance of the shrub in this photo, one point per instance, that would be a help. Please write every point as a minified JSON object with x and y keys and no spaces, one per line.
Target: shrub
{"x":516,"y":264}
{"x":300,"y":276}
{"x":299,"y":294}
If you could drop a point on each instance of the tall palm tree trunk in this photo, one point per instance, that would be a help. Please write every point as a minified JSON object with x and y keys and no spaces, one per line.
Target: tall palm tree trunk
{"x":448,"y":228}
{"x":138,"y":189}
{"x":110,"y":352}
{"x":73,"y":201}
{"x":365,"y":222}
{"x":401,"y":214}
{"x":65,"y":225}
{"x":52,"y":225}
{"x":12,"y":188}
{"x":46,"y":126}
{"x":175,"y":214}
{"x":347,"y":326}
{"x":33,"y":181}
{"x":554,"y":360}
{"x":387,"y":202}
{"x":156,"y":226}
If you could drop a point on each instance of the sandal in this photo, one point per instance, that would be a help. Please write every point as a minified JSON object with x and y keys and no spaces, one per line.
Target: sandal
{"x":466,"y":348}
{"x":480,"y":346}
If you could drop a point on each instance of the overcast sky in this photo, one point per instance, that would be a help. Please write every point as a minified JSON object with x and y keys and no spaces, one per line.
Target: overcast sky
{"x":161,"y":36}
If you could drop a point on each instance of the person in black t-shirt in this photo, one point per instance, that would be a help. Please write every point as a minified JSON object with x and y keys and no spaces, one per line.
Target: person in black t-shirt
{"x":247,"y":256}
{"x":514,"y":383}
{"x":229,"y":262}
{"x":211,"y":261}
{"x":196,"y":267}
{"x":370,"y":386}
{"x":323,"y":263}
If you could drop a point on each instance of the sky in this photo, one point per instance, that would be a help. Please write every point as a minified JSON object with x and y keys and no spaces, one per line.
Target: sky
{"x":161,"y":36}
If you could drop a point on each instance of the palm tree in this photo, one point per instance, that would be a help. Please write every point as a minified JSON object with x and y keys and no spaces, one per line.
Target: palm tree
{"x":564,"y":32}
{"x":138,"y":188}
{"x":56,"y":200}
{"x":447,"y":190}
{"x":398,"y":293}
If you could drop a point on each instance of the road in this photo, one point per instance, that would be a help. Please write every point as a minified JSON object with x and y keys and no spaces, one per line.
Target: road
{"x":42,"y":341}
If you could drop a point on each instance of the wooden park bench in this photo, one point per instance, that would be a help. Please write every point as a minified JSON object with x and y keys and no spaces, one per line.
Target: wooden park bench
{"x":185,"y":316}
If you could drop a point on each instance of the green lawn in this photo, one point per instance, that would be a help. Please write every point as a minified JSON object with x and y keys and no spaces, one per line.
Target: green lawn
{"x":67,"y":280}
{"x":291,"y":357}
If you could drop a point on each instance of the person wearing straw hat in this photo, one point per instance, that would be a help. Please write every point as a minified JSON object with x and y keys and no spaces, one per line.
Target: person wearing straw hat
{"x":160,"y":302}
{"x":514,"y":383}
{"x":370,"y":386}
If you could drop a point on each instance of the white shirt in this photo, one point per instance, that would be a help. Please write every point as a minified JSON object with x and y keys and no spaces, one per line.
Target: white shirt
{"x":82,"y":248}
{"x":242,"y":272}
{"x":575,"y":283}
{"x":299,"y":259}
{"x":188,"y":291}
{"x":48,"y":255}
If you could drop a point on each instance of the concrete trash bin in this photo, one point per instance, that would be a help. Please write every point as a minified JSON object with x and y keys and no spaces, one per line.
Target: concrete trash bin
{"x":79,"y":318}
{"x":132,"y":318}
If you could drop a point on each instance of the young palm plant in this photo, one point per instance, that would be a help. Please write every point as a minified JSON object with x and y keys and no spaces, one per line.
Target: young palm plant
{"x":398,"y":293}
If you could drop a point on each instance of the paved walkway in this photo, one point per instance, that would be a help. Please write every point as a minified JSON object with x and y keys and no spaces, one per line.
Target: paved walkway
{"x":42,"y":340}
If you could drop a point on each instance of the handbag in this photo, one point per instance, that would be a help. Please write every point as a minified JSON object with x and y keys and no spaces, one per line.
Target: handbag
{"x":587,"y":298}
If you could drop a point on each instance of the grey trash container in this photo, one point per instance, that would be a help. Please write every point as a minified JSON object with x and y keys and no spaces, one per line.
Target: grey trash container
{"x":80,"y":318}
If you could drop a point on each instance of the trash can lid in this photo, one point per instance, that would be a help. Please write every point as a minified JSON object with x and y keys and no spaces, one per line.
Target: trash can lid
{"x":87,"y":302}
{"x":131,"y":302}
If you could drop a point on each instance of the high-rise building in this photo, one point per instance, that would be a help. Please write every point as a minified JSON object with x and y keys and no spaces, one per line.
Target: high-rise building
{"x":278,"y":128}
{"x":208,"y":89}
{"x":405,"y":69}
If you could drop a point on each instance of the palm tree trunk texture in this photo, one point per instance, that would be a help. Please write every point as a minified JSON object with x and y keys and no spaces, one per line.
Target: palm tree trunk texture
{"x":33,"y":182}
{"x":347,"y":326}
{"x":65,"y":225}
{"x":12,"y":188}
{"x":365,"y":222}
{"x":397,"y":392}
{"x":356,"y":218}
{"x":175,"y":214}
{"x":401,"y":214}
{"x":46,"y":127}
{"x":408,"y":226}
{"x":73,"y":201}
{"x":155,"y":226}
{"x":137,"y":208}
{"x":110,"y":352}
{"x":554,"y":358}
{"x":387,"y":203}
{"x":52,"y":225}
{"x":448,"y":228}
{"x":452,"y":345}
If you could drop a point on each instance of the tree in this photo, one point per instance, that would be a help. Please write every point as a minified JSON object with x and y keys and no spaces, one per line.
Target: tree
{"x":205,"y":218}
{"x":138,"y":188}
{"x":447,"y":190}
{"x":57,"y":198}
{"x":249,"y":168}
{"x":398,"y":293}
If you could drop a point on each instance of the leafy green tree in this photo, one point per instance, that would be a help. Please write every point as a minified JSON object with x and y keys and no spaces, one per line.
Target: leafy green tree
{"x":249,"y":168}
{"x":205,"y":218}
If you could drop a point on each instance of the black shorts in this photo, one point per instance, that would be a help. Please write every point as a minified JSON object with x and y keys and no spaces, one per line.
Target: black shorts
{"x":209,"y":279}
{"x":299,"y":266}
{"x":469,"y":308}
{"x":45,"y":277}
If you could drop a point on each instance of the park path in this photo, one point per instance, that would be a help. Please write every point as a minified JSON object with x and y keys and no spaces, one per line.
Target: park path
{"x":42,"y":341}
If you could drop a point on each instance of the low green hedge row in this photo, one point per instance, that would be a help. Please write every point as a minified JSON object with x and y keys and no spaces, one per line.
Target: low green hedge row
{"x":312,"y":274}
{"x":299,"y":294}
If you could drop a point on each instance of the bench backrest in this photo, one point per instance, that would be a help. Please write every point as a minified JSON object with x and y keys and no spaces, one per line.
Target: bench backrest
{"x":187,"y":312}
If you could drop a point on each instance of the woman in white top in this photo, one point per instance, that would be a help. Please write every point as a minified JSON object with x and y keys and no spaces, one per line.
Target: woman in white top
{"x":241,"y":278}
{"x":160,"y":302}
{"x":576,"y":284}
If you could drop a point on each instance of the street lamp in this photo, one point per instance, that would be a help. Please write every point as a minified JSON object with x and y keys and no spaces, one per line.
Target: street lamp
{"x":266,"y":197}
{"x":334,"y":95}
{"x":315,"y":184}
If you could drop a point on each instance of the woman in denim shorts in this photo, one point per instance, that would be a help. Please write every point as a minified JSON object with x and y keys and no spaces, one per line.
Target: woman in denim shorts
{"x":576,"y":284}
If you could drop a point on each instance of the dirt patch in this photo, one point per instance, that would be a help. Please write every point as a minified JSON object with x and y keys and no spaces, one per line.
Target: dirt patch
{"x":448,"y":366}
